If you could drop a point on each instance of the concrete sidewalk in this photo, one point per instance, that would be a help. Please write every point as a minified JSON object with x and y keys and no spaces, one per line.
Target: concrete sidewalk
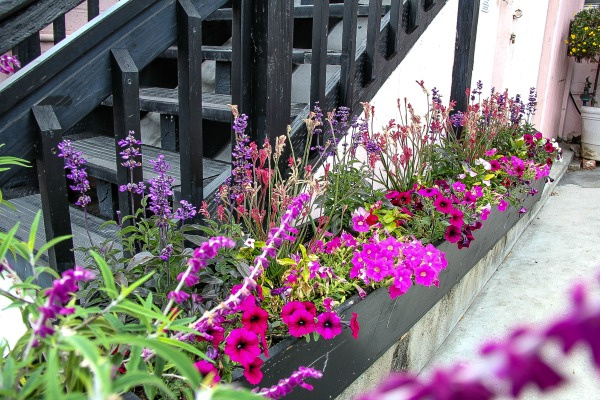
{"x":561,"y":246}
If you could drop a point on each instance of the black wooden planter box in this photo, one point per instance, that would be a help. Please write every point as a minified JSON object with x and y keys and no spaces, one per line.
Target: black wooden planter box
{"x":383,"y":321}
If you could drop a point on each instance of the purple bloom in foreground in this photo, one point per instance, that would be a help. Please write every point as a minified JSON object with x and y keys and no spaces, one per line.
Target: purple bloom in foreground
{"x":8,"y":64}
{"x":74,"y":162}
{"x":285,"y":386}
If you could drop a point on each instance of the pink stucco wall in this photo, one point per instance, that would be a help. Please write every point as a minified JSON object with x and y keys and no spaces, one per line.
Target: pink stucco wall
{"x":555,"y":68}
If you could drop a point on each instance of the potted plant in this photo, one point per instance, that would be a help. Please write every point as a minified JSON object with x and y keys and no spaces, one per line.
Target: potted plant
{"x":584,"y":45}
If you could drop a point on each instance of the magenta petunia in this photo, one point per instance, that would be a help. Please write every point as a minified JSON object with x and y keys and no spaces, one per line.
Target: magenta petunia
{"x":252,"y":371}
{"x":354,"y":325}
{"x":329,"y":325}
{"x":428,"y":192}
{"x":456,"y":218}
{"x":256,"y":320}
{"x":390,"y":246}
{"x":289,"y":309}
{"x":459,"y":186}
{"x":452,"y":234}
{"x":442,"y":204}
{"x":207,"y":368}
{"x":242,"y":346}
{"x":402,"y":282}
{"x":425,"y":275}
{"x":359,"y":220}
{"x":502,"y":205}
{"x":301,"y":323}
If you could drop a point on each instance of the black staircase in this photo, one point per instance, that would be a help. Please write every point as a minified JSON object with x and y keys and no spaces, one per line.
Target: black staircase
{"x":272,"y":58}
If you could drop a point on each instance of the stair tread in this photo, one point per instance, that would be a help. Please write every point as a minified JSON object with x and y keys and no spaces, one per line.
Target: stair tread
{"x":99,"y":151}
{"x":25,"y":211}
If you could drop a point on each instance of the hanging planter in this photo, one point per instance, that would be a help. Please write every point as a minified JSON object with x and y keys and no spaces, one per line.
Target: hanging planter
{"x":583,"y":42}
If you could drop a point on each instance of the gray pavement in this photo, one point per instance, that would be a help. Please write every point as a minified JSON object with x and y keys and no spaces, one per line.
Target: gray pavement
{"x":561,"y":245}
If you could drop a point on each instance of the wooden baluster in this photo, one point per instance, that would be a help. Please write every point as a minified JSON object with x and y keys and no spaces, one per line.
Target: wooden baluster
{"x":395,"y":31}
{"x":126,"y":116}
{"x":318,"y":67}
{"x":428,"y":4}
{"x":53,"y":188}
{"x":59,"y":29}
{"x":241,"y":55}
{"x":272,"y":31}
{"x":222,"y":77}
{"x":412,"y":10}
{"x":189,"y":67}
{"x":464,"y":53}
{"x":28,"y":49}
{"x":348,"y":57}
{"x":373,"y":34}
{"x":93,"y":9}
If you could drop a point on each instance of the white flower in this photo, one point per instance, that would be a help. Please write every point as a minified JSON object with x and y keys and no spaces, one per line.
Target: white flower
{"x":249,"y":243}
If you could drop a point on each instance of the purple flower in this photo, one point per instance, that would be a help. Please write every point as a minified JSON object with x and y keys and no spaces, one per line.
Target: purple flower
{"x":359,"y":220}
{"x":285,"y":386}
{"x":8,"y":64}
{"x":178,"y":296}
{"x":74,"y":162}
{"x":130,"y":152}
{"x":160,"y":192}
{"x":166,"y":253}
{"x":241,"y":174}
{"x":185,"y":212}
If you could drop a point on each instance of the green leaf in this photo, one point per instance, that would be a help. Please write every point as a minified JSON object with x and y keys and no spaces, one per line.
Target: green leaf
{"x":224,"y":393}
{"x":139,"y":378}
{"x":100,"y":367}
{"x":107,"y":275}
{"x":184,"y":346}
{"x":32,"y":383}
{"x":53,"y":389}
{"x":127,"y":291}
{"x":8,"y":373}
{"x":7,"y":240}
{"x":33,"y":231}
{"x":48,"y":245}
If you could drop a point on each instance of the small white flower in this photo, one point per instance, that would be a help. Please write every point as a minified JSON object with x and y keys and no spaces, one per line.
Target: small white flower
{"x":249,"y":243}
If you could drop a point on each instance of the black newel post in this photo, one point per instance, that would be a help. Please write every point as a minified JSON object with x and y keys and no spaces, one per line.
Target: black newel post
{"x":126,"y":114}
{"x":189,"y":67}
{"x":272,"y":33}
{"x":53,"y":188}
{"x":464,"y":52}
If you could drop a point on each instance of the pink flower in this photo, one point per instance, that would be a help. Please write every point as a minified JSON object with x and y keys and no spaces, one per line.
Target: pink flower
{"x":442,"y":204}
{"x":456,"y":218}
{"x":178,"y":297}
{"x":207,"y":368}
{"x":242,"y":346}
{"x":402,"y":282}
{"x":255,"y":320}
{"x":425,"y":275}
{"x":301,"y":323}
{"x":459,"y":186}
{"x":354,"y":325}
{"x":390,"y":246}
{"x":491,"y":152}
{"x":329,"y":325}
{"x":359,"y":220}
{"x":452,"y":234}
{"x":327,"y":303}
{"x":289,"y":309}
{"x":348,"y":240}
{"x":502,"y":205}
{"x":252,"y":371}
{"x":428,"y":192}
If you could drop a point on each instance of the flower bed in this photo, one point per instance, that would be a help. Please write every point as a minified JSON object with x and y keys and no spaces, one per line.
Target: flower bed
{"x":286,"y":253}
{"x":383,"y":321}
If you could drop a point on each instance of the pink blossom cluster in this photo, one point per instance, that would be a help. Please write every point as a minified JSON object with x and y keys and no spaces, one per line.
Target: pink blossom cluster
{"x":517,"y":361}
{"x":402,"y":263}
{"x":301,"y":319}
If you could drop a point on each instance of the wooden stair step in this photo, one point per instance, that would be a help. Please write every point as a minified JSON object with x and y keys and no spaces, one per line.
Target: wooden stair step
{"x":99,"y":151}
{"x":25,"y":210}
{"x":214,"y":106}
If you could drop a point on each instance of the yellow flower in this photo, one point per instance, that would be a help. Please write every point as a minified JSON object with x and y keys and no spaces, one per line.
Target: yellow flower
{"x":583,"y":50}
{"x":586,"y":28}
{"x":584,"y":43}
{"x":572,"y":36}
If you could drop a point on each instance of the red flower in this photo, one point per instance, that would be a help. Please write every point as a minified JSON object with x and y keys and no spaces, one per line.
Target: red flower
{"x":372,"y":219}
{"x":301,"y":323}
{"x":255,"y":319}
{"x":252,"y":371}
{"x":354,"y":325}
{"x":242,"y":346}
{"x":329,"y":325}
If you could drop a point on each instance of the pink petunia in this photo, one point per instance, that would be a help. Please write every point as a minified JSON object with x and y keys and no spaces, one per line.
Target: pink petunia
{"x":502,"y":205}
{"x":255,"y":320}
{"x":359,"y":220}
{"x":452,"y":234}
{"x":425,"y":275}
{"x":456,"y":218}
{"x":442,"y":204}
{"x":242,"y":346}
{"x":328,"y":325}
{"x":301,"y":323}
{"x":252,"y":371}
{"x":289,"y":309}
{"x":207,"y":368}
{"x":354,"y":325}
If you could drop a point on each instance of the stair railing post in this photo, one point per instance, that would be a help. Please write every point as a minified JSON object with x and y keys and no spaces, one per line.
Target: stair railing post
{"x":189,"y":66}
{"x":241,"y":57}
{"x":272,"y":34}
{"x":126,"y":115}
{"x":348,"y":57}
{"x":373,"y":33}
{"x":464,"y":53}
{"x":395,"y":31}
{"x":318,"y":66}
{"x":53,"y":188}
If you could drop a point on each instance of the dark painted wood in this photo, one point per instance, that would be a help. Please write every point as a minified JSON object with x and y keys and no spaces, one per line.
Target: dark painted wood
{"x":93,"y":9}
{"x":427,"y":4}
{"x":372,"y":54}
{"x":29,"y":49}
{"x":76,"y":78}
{"x":59,"y":29}
{"x":464,"y":53}
{"x":30,"y":19}
{"x":412,"y":11}
{"x":272,"y":26}
{"x":222,"y":77}
{"x":241,"y":71}
{"x":189,"y":65}
{"x":53,"y":188}
{"x":318,"y":67}
{"x":348,"y":58}
{"x":395,"y":30}
{"x":169,"y":134}
{"x":126,"y":114}
{"x":301,"y":12}
{"x":383,"y":321}
{"x":11,"y":7}
{"x":108,"y":198}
